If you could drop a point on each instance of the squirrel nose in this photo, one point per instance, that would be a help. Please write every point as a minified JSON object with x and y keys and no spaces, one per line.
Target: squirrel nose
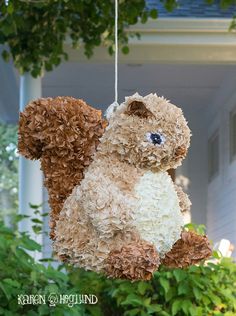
{"x":180,"y":152}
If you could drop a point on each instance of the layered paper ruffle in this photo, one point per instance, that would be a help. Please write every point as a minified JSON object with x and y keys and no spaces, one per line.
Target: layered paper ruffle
{"x":63,"y":133}
{"x":114,"y":208}
{"x":134,"y":261}
{"x":190,"y":249}
{"x":139,"y":116}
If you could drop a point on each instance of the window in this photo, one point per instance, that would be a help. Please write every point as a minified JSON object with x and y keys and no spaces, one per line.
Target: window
{"x":213,"y":156}
{"x":232,"y":124}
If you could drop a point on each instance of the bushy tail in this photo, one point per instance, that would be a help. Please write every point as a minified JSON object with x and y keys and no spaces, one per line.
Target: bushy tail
{"x":63,"y":133}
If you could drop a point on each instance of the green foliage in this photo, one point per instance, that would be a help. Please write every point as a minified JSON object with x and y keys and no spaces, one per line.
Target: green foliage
{"x":204,"y":290}
{"x":199,"y":229}
{"x":8,"y":169}
{"x":35,"y":31}
{"x":170,"y":5}
{"x":20,"y":275}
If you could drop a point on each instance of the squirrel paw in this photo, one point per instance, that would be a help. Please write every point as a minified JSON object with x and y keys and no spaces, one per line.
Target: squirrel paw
{"x":190,"y":249}
{"x":133,"y":261}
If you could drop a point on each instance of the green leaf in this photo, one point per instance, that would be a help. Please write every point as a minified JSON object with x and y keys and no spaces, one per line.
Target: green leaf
{"x":6,"y":290}
{"x":165,"y":284}
{"x":35,"y":206}
{"x":183,"y":288}
{"x":37,"y":229}
{"x":48,"y":66}
{"x":143,"y":287}
{"x":125,"y":50}
{"x":30,"y":244}
{"x":179,"y":274}
{"x":132,"y":299}
{"x":6,"y":230}
{"x":132,"y":312}
{"x":216,"y":254}
{"x":12,"y":282}
{"x":154,"y":14}
{"x":192,"y":311}
{"x":8,"y":28}
{"x":10,"y":8}
{"x":206,"y":300}
{"x":144,"y":17}
{"x":197,"y":293}
{"x":170,"y":294}
{"x":6,"y":55}
{"x":153,"y":308}
{"x":110,"y":50}
{"x":176,"y":307}
{"x":147,"y":302}
{"x":186,"y":306}
{"x":214,"y":298}
{"x":37,"y":221}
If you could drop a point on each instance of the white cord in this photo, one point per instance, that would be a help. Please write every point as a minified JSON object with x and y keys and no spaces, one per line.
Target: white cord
{"x":114,"y":106}
{"x":116,"y":51}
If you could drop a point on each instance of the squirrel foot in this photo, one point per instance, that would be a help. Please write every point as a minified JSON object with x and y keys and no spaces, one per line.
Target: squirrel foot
{"x":133,"y":261}
{"x":190,"y":249}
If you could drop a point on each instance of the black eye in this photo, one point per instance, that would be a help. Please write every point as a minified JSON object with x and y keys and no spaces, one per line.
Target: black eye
{"x":156,"y":138}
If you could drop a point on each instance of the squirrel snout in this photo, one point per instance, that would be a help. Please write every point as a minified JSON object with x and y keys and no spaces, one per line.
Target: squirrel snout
{"x":180,"y":152}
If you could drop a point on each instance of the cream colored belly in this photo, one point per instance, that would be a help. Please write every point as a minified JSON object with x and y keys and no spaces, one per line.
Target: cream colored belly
{"x":158,"y":217}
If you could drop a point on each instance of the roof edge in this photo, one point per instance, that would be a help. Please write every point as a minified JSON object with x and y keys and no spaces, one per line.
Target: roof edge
{"x":166,"y":25}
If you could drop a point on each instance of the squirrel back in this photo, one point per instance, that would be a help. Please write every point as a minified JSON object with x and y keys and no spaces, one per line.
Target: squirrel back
{"x":63,"y":133}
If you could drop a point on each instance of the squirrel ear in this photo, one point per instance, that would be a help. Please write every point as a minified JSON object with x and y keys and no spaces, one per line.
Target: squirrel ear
{"x":138,"y":108}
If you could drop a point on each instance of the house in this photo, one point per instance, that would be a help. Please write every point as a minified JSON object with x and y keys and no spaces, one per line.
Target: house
{"x":188,"y":56}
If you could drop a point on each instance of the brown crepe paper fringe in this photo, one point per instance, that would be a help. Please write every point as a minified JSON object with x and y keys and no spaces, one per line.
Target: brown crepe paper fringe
{"x":190,"y":249}
{"x":184,"y":202}
{"x":134,"y":261}
{"x":63,"y":133}
{"x":99,"y":214}
{"x":92,"y":221}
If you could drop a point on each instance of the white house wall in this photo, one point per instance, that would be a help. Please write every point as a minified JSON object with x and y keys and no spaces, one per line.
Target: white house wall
{"x":194,"y":167}
{"x":221,"y":194}
{"x":197,"y":166}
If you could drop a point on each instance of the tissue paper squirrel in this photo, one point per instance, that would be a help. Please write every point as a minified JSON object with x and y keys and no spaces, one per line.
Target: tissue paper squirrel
{"x":115,"y":208}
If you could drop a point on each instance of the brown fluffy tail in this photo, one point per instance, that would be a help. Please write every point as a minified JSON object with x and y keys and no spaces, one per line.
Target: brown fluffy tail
{"x":63,"y":133}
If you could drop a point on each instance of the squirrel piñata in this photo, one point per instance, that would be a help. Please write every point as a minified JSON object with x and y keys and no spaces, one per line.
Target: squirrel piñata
{"x":115,"y":208}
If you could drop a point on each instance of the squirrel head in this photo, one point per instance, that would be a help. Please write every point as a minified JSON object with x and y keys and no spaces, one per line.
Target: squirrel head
{"x":148,"y":132}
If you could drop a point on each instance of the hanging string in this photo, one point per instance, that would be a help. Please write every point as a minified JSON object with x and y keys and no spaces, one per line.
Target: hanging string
{"x":116,"y":51}
{"x":114,"y":106}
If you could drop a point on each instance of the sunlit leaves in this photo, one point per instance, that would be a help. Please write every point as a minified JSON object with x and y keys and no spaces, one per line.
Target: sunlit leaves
{"x":196,"y":291}
{"x":8,"y":166}
{"x":36,"y":32}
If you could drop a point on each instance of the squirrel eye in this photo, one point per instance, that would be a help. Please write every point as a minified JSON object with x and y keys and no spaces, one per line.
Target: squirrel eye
{"x":156,"y":138}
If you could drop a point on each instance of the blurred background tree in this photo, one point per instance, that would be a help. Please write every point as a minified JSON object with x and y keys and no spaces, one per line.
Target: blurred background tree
{"x":35,"y":31}
{"x":8,"y":171}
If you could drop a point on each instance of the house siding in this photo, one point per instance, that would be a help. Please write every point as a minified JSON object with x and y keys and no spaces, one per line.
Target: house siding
{"x":194,"y":167}
{"x":221,"y":191}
